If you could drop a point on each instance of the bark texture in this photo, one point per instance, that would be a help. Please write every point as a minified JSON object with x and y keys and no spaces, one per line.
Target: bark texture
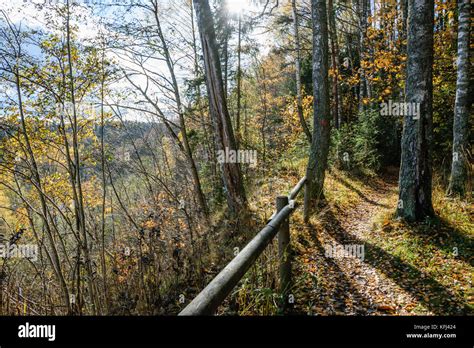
{"x":462,"y":109}
{"x":415,"y":172}
{"x":218,"y":106}
{"x":299,"y":97}
{"x":317,"y":163}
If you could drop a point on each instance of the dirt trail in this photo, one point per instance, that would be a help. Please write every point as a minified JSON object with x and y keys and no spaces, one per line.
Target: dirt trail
{"x":351,"y":285}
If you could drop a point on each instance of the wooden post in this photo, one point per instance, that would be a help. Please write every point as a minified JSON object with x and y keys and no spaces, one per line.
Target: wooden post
{"x":209,"y":299}
{"x":284,"y":252}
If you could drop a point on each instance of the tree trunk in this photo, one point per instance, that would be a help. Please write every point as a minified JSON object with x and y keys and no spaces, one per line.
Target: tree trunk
{"x":208,"y":135}
{"x":299,"y":97}
{"x":403,"y":47}
{"x":104,"y":180}
{"x":239,"y":84}
{"x":76,"y":174}
{"x":317,"y":164}
{"x":36,"y":178}
{"x":415,"y":171}
{"x":363,"y":84}
{"x":218,"y":106}
{"x":462,"y":109}
{"x":182,"y":122}
{"x":337,"y":117}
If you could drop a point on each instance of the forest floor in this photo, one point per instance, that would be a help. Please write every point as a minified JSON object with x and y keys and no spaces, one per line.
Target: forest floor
{"x":405,"y":269}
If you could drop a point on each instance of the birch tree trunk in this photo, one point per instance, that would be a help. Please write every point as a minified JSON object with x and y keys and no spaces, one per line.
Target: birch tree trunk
{"x":462,"y":109}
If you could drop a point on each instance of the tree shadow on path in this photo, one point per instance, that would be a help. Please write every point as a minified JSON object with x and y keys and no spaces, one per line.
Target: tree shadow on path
{"x":335,"y":291}
{"x":433,"y":295}
{"x":359,"y":192}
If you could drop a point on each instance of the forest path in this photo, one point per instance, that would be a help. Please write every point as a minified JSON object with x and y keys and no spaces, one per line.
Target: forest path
{"x":368,"y":285}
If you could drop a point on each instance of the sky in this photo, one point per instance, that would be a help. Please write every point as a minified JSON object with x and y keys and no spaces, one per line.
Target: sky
{"x":93,"y":16}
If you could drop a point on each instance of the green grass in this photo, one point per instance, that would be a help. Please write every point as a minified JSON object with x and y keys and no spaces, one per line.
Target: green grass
{"x":440,"y":248}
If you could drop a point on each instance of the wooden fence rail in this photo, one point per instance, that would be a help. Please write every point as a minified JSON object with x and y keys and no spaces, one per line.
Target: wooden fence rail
{"x":209,"y":299}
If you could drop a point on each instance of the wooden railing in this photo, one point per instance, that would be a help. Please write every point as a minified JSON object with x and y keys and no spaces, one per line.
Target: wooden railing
{"x":209,"y":299}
